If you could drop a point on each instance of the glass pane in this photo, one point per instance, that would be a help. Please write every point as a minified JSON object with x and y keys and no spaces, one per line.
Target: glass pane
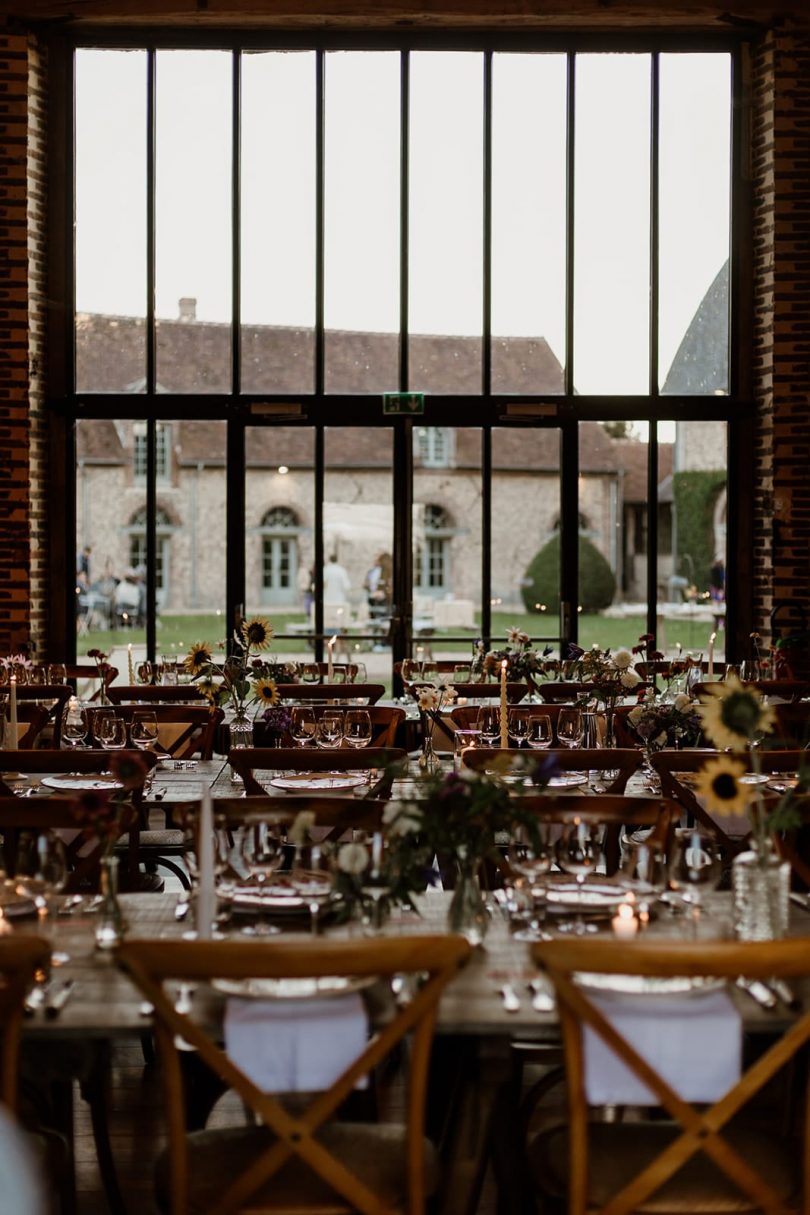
{"x":446,"y":222}
{"x":110,"y":542}
{"x":528,"y":223}
{"x":358,"y":520}
{"x":110,"y":221}
{"x":612,"y":224}
{"x":278,"y":221}
{"x":193,"y":221}
{"x":279,"y":535}
{"x":525,"y":533}
{"x":447,"y":539}
{"x":361,"y":301}
{"x":695,"y":161}
{"x":190,"y":548}
{"x":692,"y":503}
{"x":613,"y":533}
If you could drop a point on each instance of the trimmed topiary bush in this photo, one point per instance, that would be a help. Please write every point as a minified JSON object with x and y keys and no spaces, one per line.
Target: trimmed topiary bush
{"x":541,"y":582}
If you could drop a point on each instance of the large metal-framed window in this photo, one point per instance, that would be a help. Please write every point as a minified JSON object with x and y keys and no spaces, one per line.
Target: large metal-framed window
{"x":488,"y":396}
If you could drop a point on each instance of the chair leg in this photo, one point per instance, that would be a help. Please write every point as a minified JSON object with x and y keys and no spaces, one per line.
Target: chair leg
{"x":95,"y":1090}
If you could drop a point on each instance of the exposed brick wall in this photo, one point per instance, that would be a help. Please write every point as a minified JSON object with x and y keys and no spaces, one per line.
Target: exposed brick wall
{"x":37,"y":270}
{"x":781,"y":166}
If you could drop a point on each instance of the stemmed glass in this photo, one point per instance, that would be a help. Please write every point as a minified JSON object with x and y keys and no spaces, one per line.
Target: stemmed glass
{"x":41,"y":874}
{"x":429,"y":672}
{"x":540,"y":732}
{"x":144,"y":730}
{"x":74,"y":726}
{"x":311,"y":877}
{"x":518,"y":726}
{"x":57,"y":673}
{"x":489,"y":723}
{"x":303,"y":726}
{"x":531,"y":861}
{"x":578,"y":852}
{"x":694,"y":867}
{"x":310,"y":672}
{"x":222,"y":854}
{"x":262,"y":852}
{"x":570,"y":728}
{"x":329,"y":733}
{"x":358,"y":728}
{"x":145,"y":672}
{"x":113,"y":733}
{"x":643,"y":870}
{"x":410,"y":670}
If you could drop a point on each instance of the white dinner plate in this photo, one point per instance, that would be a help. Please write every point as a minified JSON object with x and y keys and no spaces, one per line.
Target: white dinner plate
{"x":292,"y":989}
{"x":649,"y":985}
{"x":782,"y":784}
{"x":318,"y":782}
{"x":72,"y":782}
{"x":588,"y":897}
{"x":568,"y":780}
{"x":752,"y":778}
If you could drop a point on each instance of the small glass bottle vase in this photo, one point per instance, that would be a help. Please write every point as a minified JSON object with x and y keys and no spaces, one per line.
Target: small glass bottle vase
{"x":761,"y":885}
{"x":467,"y":913}
{"x":110,"y":924}
{"x":429,"y":761}
{"x":241,"y":735}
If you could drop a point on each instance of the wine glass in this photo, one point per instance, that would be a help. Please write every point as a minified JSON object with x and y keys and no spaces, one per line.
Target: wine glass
{"x":303,"y":726}
{"x":57,"y":673}
{"x":145,"y":672}
{"x":97,"y":717}
{"x":113,"y":733}
{"x":329,"y":732}
{"x":429,"y":672}
{"x":531,"y":860}
{"x":144,"y":729}
{"x":694,"y":867}
{"x":570,"y":728}
{"x":578,"y":851}
{"x":310,"y":672}
{"x":489,"y":724}
{"x":262,"y":852}
{"x":643,"y":869}
{"x":518,"y":726}
{"x":311,"y":877}
{"x":358,"y":728}
{"x":360,"y":673}
{"x":461,"y":673}
{"x":410,"y":670}
{"x":540,"y":733}
{"x":74,"y":726}
{"x":41,"y":873}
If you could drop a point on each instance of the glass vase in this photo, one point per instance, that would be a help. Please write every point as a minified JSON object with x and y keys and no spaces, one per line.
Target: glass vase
{"x":429,"y":761}
{"x":110,"y":924}
{"x":467,"y":913}
{"x":241,"y":735}
{"x":760,"y":882}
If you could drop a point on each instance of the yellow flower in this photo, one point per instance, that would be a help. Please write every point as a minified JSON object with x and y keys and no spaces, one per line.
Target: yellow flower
{"x":198,"y":658}
{"x":209,"y":690}
{"x":266,"y":691}
{"x":719,"y":783}
{"x":257,"y":633}
{"x":733,"y":715}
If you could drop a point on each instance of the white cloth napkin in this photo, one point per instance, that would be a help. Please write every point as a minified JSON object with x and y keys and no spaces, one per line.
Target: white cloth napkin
{"x":694,"y":1042}
{"x":296,"y":1046}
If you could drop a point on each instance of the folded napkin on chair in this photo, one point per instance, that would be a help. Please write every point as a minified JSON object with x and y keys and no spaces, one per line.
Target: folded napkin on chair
{"x":295,"y":1046}
{"x":694,"y":1042}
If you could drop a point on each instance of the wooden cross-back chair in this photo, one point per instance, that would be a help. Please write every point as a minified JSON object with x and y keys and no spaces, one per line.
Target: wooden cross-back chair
{"x":515,"y":692}
{"x":349,"y":693}
{"x":31,"y":721}
{"x":385,"y":722}
{"x":148,"y":694}
{"x":334,"y":816}
{"x":248,"y":760}
{"x":649,"y":1165}
{"x":184,"y":731}
{"x":296,"y":1161}
{"x":618,"y":763}
{"x":104,"y":675}
{"x":83,"y":853}
{"x":52,"y":697}
{"x":20,"y":959}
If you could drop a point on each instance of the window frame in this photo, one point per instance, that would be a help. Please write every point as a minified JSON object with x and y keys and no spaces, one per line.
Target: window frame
{"x":488,"y":410}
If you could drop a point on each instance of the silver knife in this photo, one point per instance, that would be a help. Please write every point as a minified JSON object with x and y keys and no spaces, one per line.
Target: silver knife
{"x":785,"y":993}
{"x":511,"y":1003}
{"x":56,"y":1002}
{"x":542,"y":999}
{"x":758,"y":992}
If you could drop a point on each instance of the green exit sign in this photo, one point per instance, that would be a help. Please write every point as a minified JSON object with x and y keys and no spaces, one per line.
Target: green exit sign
{"x":403,"y":402}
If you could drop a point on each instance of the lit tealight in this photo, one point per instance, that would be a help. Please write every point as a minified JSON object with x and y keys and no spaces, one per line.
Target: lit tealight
{"x":5,"y":927}
{"x":624,"y":923}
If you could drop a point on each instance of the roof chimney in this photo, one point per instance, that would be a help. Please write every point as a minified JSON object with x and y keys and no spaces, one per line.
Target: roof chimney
{"x":188,"y":308}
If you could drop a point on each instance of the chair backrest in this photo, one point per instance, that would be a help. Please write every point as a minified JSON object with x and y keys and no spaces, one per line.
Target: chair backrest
{"x":20,"y":959}
{"x":702,"y":1128}
{"x":105,"y":674}
{"x":147,"y":693}
{"x":83,"y":852}
{"x":334,"y":816}
{"x":621,"y":763}
{"x":248,"y":760}
{"x":336,"y":692}
{"x":51,"y":696}
{"x":385,"y":721}
{"x":31,"y":721}
{"x":184,"y":731}
{"x":151,"y":964}
{"x":563,"y":691}
{"x":515,"y":692}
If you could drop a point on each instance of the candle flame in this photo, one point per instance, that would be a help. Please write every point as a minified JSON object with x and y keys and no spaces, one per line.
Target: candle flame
{"x":332,"y":640}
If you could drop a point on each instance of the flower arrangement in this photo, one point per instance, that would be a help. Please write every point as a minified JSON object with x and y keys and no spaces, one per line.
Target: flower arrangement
{"x":277,"y":720}
{"x":245,"y":678}
{"x":609,"y":676}
{"x":98,"y":812}
{"x":431,"y":702}
{"x":661,"y":723}
{"x":522,"y":662}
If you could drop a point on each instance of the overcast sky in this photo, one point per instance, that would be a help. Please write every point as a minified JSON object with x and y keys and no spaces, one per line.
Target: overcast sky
{"x":362,"y":194}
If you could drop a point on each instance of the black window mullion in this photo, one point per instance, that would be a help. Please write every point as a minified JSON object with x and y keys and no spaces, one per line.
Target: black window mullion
{"x":236,"y":227}
{"x":570,"y":134}
{"x":486,"y":359}
{"x":486,"y":532}
{"x":404,"y":213}
{"x":151,"y":358}
{"x":151,"y":538}
{"x":655,"y":134}
{"x":319,"y":550}
{"x":402,"y":604}
{"x":234,"y":526}
{"x":652,"y":531}
{"x":320,"y":99}
{"x":569,"y":533}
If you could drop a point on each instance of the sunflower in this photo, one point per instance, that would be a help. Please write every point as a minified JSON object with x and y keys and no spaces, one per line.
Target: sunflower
{"x":719,"y":783}
{"x":198,"y":658}
{"x":210,"y":690}
{"x":266,"y":692}
{"x":257,"y":633}
{"x":733,"y":715}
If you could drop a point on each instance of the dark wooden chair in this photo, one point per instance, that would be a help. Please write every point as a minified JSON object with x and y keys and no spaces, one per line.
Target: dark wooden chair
{"x":20,"y":959}
{"x":31,"y":721}
{"x":33,"y":815}
{"x":619,"y":763}
{"x":350,"y":694}
{"x":149,"y":694}
{"x":104,"y":675}
{"x":385,"y":722}
{"x":247,"y":760}
{"x":184,"y":731}
{"x":53,"y":697}
{"x":302,"y":1161}
{"x":693,"y":1158}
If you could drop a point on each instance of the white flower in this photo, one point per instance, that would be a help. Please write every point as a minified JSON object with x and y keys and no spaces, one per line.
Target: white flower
{"x":629,"y":679}
{"x":622,"y":659}
{"x":635,"y":715}
{"x":298,"y":833}
{"x":681,"y":702}
{"x":353,"y":858}
{"x":660,"y":740}
{"x":401,"y":819}
{"x":514,"y":635}
{"x":447,"y":697}
{"x":428,"y":700}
